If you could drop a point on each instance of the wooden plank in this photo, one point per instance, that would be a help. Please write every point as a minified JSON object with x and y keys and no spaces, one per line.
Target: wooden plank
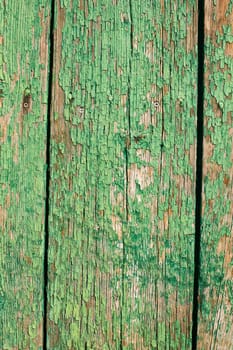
{"x":88,"y":172}
{"x":122,"y":185}
{"x":159,"y":240}
{"x":23,"y":109}
{"x":215,"y":327}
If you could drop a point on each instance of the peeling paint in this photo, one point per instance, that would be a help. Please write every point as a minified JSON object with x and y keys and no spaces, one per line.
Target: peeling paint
{"x":216,"y":307}
{"x":125,"y":203}
{"x":23,"y":121}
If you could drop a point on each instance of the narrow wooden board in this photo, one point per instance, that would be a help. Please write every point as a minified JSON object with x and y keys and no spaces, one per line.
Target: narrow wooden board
{"x":88,"y":175}
{"x":122,"y":204}
{"x":215,"y":326}
{"x":24,"y":30}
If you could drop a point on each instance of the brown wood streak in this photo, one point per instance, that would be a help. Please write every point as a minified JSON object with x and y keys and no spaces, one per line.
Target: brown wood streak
{"x":59,"y":131}
{"x":214,"y":24}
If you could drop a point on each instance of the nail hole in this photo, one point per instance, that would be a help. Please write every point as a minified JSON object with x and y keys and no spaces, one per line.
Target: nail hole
{"x":26,"y":102}
{"x":156,"y":104}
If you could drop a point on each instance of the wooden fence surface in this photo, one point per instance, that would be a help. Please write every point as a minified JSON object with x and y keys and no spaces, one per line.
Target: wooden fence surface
{"x":116,"y":174}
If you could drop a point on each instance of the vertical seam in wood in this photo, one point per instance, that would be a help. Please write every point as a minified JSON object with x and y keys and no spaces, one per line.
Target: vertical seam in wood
{"x":127,"y":146}
{"x":46,"y":234}
{"x":199,"y":167}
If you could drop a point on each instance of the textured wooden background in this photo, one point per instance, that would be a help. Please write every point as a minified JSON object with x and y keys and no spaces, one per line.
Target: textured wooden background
{"x":99,"y":139}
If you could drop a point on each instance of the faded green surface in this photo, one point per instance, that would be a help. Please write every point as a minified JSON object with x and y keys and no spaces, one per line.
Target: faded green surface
{"x":158,"y":281}
{"x":216,"y":287}
{"x":23,"y":119}
{"x":122,"y":175}
{"x":122,"y":189}
{"x":88,"y":163}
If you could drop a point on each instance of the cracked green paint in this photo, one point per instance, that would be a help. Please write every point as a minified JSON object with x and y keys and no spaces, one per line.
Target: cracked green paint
{"x":159,"y":260}
{"x":122,"y":184}
{"x":23,"y":118}
{"x":216,"y":306}
{"x":122,"y":175}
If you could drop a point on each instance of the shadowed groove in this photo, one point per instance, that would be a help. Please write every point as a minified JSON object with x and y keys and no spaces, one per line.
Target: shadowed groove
{"x":199,"y":166}
{"x":49,"y":107}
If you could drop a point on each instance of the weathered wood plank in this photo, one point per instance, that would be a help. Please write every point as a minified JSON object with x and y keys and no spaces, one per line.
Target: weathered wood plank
{"x":215,"y":327}
{"x":23,"y":119}
{"x":88,"y":175}
{"x":122,"y":175}
{"x":159,"y":250}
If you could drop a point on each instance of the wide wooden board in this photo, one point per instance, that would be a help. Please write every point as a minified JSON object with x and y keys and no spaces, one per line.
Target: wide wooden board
{"x":122,"y":206}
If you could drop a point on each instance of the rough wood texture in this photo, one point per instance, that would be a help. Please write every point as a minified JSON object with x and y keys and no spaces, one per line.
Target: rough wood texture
{"x":158,"y":241}
{"x":216,"y":287}
{"x":122,"y":175}
{"x":23,"y":119}
{"x":89,"y":134}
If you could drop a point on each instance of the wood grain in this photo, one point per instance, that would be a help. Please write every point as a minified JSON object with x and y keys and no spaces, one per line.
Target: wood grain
{"x":122,"y":175}
{"x":215,"y":330}
{"x":158,"y":242}
{"x":88,"y":175}
{"x":24,"y":30}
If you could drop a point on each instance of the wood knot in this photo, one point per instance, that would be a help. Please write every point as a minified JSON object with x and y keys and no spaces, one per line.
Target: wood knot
{"x":138,"y":138}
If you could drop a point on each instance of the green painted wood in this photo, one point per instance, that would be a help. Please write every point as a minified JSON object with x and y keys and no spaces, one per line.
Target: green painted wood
{"x":88,"y":172}
{"x":123,"y":134}
{"x":159,"y":236}
{"x":215,"y":327}
{"x":24,"y":30}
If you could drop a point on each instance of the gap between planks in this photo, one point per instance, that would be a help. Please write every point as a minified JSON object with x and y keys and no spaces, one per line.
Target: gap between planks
{"x":47,"y":191}
{"x":199,"y":167}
